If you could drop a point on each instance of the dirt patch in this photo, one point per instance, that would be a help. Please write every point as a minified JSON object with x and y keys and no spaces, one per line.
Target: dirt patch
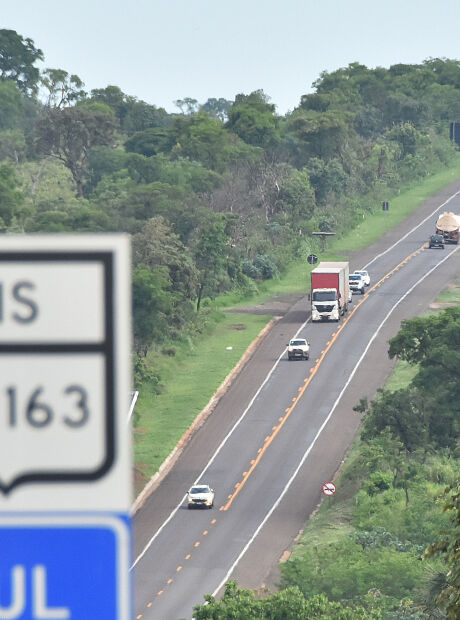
{"x":237,"y":326}
{"x":140,"y":430}
{"x":275,"y":306}
{"x":440,"y":305}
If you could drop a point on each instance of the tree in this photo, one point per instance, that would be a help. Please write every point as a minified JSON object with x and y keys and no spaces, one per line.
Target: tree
{"x":187,"y":105}
{"x":133,"y":114}
{"x":11,"y":199}
{"x":217,"y":107}
{"x":17,"y":59}
{"x":12,"y":145}
{"x":63,"y":89}
{"x":151,"y":305}
{"x":150,"y":142}
{"x":297,"y":198}
{"x":321,"y":134}
{"x":253,"y":119}
{"x":11,"y":106}
{"x":407,"y":137}
{"x":210,"y":255}
{"x":70,"y":133}
{"x":400,"y":411}
{"x":288,"y":604}
{"x":157,"y":246}
{"x":448,"y":547}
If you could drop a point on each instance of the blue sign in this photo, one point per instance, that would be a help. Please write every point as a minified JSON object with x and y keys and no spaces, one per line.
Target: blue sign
{"x":72,"y":567}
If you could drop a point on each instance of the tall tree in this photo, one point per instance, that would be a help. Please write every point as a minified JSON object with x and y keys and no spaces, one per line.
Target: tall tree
{"x":253,"y":119}
{"x":17,"y":59}
{"x":63,"y":89}
{"x":11,"y":106}
{"x":69,"y":134}
{"x":151,"y":305}
{"x":11,"y":198}
{"x":210,"y":255}
{"x":217,"y":107}
{"x":156,"y":245}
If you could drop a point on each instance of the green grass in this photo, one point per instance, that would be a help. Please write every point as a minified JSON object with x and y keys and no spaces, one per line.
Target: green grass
{"x":376,"y":224}
{"x":450,"y":295}
{"x":191,"y":377}
{"x":190,"y":381}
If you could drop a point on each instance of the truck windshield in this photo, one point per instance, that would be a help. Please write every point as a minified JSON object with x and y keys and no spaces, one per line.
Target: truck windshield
{"x":324,"y":295}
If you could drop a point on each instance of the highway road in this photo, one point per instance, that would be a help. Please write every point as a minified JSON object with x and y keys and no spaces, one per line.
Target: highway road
{"x":281,"y":430}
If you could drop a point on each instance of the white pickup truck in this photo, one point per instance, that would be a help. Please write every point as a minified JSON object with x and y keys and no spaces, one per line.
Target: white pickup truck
{"x":298,"y":348}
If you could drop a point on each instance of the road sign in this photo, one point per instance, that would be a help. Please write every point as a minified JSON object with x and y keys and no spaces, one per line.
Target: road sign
{"x":328,"y":488}
{"x":312,"y":259}
{"x":385,"y":206}
{"x":64,"y":567}
{"x":64,"y":372}
{"x":65,"y":454}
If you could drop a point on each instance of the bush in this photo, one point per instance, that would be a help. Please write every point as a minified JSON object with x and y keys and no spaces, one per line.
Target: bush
{"x":261,"y":268}
{"x":345,"y":570}
{"x":378,"y":481}
{"x":143,"y":374}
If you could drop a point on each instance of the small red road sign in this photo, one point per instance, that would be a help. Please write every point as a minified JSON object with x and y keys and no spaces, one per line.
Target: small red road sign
{"x":328,"y":488}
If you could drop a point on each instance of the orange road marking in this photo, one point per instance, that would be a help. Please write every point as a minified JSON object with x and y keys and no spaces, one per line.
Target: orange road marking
{"x":268,"y":440}
{"x":213,"y":521}
{"x":188,"y":556}
{"x":205,"y":532}
{"x":160,"y":592}
{"x":149,"y":604}
{"x":178,"y":569}
{"x":169,"y":581}
{"x":197,"y":544}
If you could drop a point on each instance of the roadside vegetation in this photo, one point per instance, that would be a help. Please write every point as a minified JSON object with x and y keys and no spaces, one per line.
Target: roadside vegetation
{"x":386,"y":544}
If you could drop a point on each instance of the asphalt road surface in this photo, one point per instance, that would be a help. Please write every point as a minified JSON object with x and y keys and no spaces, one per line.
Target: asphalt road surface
{"x":282,"y":430}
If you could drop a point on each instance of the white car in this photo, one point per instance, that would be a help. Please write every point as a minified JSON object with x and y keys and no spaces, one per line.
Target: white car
{"x":200,"y":496}
{"x":298,"y":348}
{"x":356,"y":283}
{"x":365,"y":275}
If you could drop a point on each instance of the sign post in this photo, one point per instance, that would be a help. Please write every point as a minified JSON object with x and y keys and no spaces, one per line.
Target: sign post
{"x":65,"y":453}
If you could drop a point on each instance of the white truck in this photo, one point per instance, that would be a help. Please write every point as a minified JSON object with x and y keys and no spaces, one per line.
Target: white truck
{"x":329,"y":291}
{"x":448,"y":225}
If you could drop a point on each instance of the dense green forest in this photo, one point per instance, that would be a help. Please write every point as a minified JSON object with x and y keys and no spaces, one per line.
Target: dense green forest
{"x":223,"y":194}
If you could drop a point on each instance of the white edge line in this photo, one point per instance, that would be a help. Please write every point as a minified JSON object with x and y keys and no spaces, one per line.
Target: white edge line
{"x":219,"y":448}
{"x":412,"y":230}
{"x":291,"y":479}
{"x":132,"y":405}
{"x":224,"y":441}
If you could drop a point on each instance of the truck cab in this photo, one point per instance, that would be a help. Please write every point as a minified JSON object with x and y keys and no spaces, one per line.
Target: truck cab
{"x":324,"y":304}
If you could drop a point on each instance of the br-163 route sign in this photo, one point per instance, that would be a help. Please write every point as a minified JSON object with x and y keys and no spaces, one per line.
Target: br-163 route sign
{"x":65,"y":455}
{"x":64,"y":380}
